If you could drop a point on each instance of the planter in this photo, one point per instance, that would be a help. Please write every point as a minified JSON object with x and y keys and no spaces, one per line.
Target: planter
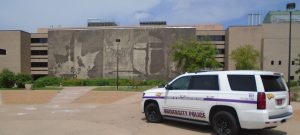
{"x":28,"y":86}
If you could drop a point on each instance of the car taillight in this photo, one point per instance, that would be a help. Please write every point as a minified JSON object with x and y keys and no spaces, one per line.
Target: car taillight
{"x":289,"y":97}
{"x":261,"y":100}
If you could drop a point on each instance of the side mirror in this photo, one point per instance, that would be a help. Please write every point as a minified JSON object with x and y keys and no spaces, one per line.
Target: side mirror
{"x":168,"y":87}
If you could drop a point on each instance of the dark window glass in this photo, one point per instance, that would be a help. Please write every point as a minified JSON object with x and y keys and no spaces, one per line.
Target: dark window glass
{"x":272,"y":62}
{"x":39,"y":52}
{"x":39,"y":40}
{"x":293,"y":62}
{"x":221,"y":51}
{"x":39,"y":64}
{"x":279,"y":62}
{"x":211,"y":37}
{"x":242,"y":82}
{"x":204,"y":82}
{"x":181,"y":83}
{"x":272,"y":83}
{"x":292,"y":77}
{"x":2,"y":52}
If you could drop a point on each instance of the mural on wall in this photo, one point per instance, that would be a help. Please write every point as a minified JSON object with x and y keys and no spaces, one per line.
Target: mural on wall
{"x":142,"y":53}
{"x":76,"y":65}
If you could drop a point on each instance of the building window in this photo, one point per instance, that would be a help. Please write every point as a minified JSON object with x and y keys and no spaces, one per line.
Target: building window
{"x":39,"y":52}
{"x":39,"y":40}
{"x":293,"y":62}
{"x":221,"y":51}
{"x":211,"y":37}
{"x":272,"y":62}
{"x":292,"y":77}
{"x":2,"y":52}
{"x":279,"y":62}
{"x":39,"y":64}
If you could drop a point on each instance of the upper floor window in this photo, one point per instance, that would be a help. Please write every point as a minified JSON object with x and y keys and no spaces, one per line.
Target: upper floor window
{"x":211,"y":37}
{"x":39,"y":40}
{"x":39,"y":64}
{"x":39,"y":52}
{"x":2,"y":52}
{"x":221,"y":51}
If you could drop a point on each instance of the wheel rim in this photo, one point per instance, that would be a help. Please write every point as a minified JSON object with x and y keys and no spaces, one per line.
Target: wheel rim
{"x":223,"y":126}
{"x":152,"y":114}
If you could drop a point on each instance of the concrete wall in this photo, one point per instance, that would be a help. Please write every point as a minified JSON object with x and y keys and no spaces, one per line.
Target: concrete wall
{"x":91,"y":53}
{"x":275,"y":47}
{"x":17,"y":46}
{"x":239,"y":36}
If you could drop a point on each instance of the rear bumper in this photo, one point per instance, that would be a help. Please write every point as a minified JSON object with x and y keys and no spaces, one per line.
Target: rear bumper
{"x":261,"y":119}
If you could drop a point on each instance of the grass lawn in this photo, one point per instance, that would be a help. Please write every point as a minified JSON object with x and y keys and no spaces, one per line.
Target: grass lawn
{"x":123,"y":88}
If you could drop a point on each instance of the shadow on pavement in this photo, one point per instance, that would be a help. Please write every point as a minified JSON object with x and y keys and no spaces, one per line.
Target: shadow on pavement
{"x":209,"y":130}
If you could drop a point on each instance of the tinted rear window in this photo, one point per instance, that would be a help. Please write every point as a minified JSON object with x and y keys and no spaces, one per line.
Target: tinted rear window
{"x":272,"y":83}
{"x":204,"y":82}
{"x":242,"y":82}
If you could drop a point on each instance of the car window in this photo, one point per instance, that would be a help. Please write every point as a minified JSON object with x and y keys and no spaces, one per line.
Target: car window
{"x":204,"y":82}
{"x":272,"y":83}
{"x":242,"y":82}
{"x":181,"y":83}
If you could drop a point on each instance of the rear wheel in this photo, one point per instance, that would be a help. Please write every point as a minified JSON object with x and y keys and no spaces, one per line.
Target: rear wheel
{"x":152,"y":113}
{"x":224,"y":123}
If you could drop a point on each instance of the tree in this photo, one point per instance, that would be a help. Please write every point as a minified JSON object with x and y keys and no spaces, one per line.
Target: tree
{"x":297,"y":62}
{"x":245,"y":57}
{"x":7,"y":79}
{"x":193,"y":55}
{"x":22,"y":79}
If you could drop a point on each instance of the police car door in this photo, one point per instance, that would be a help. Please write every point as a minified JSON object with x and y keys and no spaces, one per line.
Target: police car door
{"x":175,"y":101}
{"x":203,"y":91}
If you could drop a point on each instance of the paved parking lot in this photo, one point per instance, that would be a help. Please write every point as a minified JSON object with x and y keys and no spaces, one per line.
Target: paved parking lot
{"x":119,"y":117}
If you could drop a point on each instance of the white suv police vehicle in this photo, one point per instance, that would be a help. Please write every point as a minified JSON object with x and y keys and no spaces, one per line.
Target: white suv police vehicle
{"x":226,"y":100}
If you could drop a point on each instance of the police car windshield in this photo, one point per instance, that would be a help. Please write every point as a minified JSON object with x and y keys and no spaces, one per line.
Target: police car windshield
{"x":273,"y":83}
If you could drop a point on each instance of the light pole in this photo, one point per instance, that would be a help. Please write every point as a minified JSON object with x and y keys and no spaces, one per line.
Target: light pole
{"x":290,"y":7}
{"x":118,"y":42}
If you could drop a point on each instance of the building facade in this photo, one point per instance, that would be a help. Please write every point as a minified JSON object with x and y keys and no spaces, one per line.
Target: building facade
{"x":132,"y":52}
{"x":15,"y":51}
{"x":143,"y":51}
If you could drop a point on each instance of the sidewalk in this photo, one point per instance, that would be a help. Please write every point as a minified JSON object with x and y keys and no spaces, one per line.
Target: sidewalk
{"x":69,"y":94}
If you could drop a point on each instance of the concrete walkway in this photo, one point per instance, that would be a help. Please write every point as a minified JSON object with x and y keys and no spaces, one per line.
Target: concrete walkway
{"x":69,"y":94}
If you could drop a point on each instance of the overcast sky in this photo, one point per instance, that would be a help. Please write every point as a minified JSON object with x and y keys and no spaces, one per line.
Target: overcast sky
{"x":29,"y":15}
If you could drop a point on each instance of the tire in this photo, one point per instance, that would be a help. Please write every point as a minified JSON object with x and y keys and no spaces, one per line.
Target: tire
{"x":224,"y":123}
{"x":152,"y":113}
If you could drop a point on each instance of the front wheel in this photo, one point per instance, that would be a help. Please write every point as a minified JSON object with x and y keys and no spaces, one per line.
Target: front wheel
{"x":152,"y":113}
{"x":224,"y":123}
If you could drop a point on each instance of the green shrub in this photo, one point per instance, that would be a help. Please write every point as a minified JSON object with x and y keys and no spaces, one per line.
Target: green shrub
{"x":71,"y":82}
{"x":47,"y":81}
{"x":22,"y":79}
{"x":7,"y":79}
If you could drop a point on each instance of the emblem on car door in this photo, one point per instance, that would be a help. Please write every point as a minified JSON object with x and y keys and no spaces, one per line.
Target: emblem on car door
{"x":158,"y":94}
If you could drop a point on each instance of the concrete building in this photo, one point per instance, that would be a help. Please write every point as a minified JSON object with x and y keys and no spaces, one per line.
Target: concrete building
{"x":217,"y":35}
{"x":270,"y":39}
{"x":144,"y":51}
{"x":15,"y":51}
